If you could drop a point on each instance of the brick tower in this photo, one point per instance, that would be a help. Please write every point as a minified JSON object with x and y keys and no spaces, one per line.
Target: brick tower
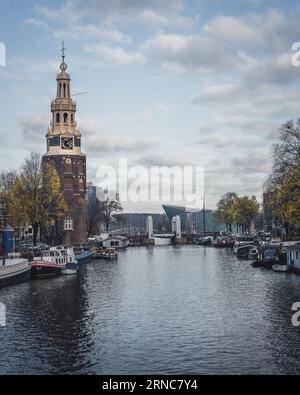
{"x":64,"y":152}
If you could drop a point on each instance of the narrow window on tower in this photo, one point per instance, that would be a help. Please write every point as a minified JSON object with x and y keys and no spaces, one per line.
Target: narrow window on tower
{"x":68,"y":183}
{"x":60,"y":89}
{"x":65,"y":90}
{"x":58,"y":117}
{"x":72,"y":118}
{"x":65,"y":117}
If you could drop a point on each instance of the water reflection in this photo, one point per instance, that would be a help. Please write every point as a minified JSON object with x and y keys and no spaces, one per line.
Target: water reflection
{"x":160,"y":310}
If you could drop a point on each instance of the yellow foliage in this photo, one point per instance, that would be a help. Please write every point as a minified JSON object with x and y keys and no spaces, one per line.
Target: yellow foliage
{"x":37,"y":197}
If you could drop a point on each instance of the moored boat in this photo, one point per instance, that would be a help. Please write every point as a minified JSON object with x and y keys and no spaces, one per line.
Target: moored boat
{"x":281,"y":268}
{"x":243,"y":251}
{"x":206,"y":241}
{"x":253,"y":254}
{"x":267,"y":257}
{"x":242,"y":241}
{"x":70,"y":268}
{"x":14,"y":270}
{"x":220,"y":242}
{"x":52,"y":262}
{"x":83,"y":256}
{"x":104,"y":253}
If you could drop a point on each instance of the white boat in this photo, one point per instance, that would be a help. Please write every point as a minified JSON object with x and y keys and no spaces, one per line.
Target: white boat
{"x":241,"y":241}
{"x":281,"y":268}
{"x":52,"y":262}
{"x":243,"y":251}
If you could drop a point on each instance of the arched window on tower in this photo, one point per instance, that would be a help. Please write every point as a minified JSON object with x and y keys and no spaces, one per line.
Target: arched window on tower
{"x":65,"y":117}
{"x":72,"y":118}
{"x":60,"y":90}
{"x":68,"y":165}
{"x":65,"y":90}
{"x":58,"y":117}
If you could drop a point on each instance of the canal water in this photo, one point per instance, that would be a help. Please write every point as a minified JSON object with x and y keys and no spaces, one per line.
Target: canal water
{"x":157,"y":310}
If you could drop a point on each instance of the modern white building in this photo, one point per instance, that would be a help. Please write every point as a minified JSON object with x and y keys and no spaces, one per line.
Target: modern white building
{"x":149,"y":227}
{"x":176,"y":226}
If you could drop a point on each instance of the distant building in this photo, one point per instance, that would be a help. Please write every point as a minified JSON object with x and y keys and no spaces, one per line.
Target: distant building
{"x":135,"y":224}
{"x":95,"y":196}
{"x":116,"y":242}
{"x":192,"y":220}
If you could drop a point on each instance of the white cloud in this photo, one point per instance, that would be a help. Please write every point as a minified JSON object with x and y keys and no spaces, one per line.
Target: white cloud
{"x":92,"y":31}
{"x":114,"y":11}
{"x":114,"y":55}
{"x":271,"y":30}
{"x":197,"y":52}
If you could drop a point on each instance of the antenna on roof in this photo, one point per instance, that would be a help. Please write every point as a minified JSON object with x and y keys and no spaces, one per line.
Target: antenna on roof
{"x":81,"y":93}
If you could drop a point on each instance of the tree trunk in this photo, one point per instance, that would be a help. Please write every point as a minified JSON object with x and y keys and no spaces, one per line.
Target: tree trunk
{"x":35,"y":228}
{"x":286,"y":228}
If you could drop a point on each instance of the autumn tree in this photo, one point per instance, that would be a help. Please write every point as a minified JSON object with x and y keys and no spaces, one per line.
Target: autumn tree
{"x":7,"y":179}
{"x":282,"y":182}
{"x":37,"y":198}
{"x":243,"y":211}
{"x":224,"y":212}
{"x":285,"y":199}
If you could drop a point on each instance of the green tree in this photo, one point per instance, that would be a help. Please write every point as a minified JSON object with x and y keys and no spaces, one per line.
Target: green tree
{"x":37,"y":198}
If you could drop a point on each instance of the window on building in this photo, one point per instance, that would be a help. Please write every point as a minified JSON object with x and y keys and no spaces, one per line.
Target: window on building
{"x":81,"y":184}
{"x":68,"y":183}
{"x":68,"y":224}
{"x":65,"y":90}
{"x":81,"y":166}
{"x":65,"y":117}
{"x":72,"y":118}
{"x":68,"y":166}
{"x":58,"y":117}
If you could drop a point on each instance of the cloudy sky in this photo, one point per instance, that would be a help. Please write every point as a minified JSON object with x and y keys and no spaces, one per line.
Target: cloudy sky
{"x":169,"y":82}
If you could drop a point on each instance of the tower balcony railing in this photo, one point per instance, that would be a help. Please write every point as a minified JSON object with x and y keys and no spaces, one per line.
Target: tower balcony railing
{"x":71,"y":106}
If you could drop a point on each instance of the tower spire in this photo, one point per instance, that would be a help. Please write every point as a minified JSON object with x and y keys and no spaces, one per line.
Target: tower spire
{"x":63,"y":65}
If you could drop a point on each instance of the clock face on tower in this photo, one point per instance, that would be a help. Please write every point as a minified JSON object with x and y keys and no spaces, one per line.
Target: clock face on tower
{"x":67,"y":143}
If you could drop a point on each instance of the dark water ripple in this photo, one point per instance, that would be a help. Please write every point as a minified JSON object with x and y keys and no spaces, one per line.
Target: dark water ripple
{"x":162,"y":310}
